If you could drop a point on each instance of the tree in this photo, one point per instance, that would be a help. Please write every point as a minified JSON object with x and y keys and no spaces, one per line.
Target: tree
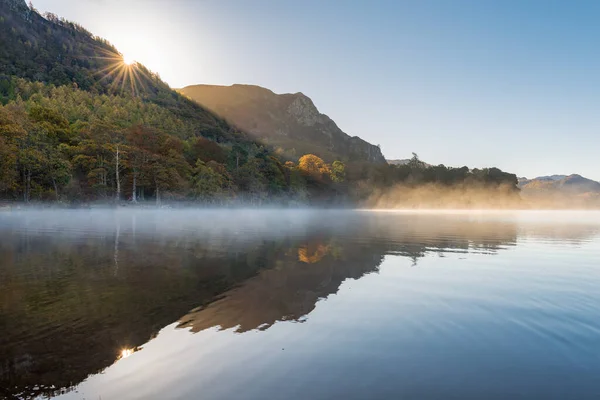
{"x":58,"y":169}
{"x":415,"y":162}
{"x":338,"y":171}
{"x":238,"y":156}
{"x":314,"y":166}
{"x":8,"y":166}
{"x":296,"y":182}
{"x":205,"y":150}
{"x":250,"y":181}
{"x":207,"y":184}
{"x":11,"y":133}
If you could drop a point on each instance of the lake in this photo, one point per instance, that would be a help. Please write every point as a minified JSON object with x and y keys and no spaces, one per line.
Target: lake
{"x":299,"y":304}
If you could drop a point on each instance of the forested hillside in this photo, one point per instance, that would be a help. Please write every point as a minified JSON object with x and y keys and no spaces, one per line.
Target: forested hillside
{"x":78,"y":125}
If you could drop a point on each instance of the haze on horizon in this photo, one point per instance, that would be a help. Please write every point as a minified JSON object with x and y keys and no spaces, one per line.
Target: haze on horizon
{"x":508,"y":84}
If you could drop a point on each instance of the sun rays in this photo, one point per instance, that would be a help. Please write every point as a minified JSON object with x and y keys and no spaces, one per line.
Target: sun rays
{"x":128,"y":60}
{"x":123,"y":73}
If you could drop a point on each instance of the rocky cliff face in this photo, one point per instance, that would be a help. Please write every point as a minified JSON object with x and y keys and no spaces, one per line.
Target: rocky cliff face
{"x":290,"y":122}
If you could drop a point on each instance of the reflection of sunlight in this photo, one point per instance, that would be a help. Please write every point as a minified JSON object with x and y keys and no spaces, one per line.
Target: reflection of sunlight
{"x":125,"y":353}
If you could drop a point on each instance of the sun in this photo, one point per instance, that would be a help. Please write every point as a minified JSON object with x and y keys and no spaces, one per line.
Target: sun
{"x":122,"y":71}
{"x":126,"y":353}
{"x":128,"y":60}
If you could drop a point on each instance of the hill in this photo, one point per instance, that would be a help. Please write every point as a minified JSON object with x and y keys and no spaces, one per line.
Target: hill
{"x":571,"y":184}
{"x":58,"y":52}
{"x":78,"y":124}
{"x":290,"y":122}
{"x":561,"y":191}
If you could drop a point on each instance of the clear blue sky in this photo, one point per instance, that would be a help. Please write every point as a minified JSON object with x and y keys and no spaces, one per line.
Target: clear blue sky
{"x":513,"y":84}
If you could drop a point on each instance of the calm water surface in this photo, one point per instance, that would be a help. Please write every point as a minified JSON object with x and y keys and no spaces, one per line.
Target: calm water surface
{"x":299,"y":305}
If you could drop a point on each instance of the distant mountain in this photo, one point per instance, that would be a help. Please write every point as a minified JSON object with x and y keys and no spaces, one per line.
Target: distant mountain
{"x":290,"y":122}
{"x":561,"y":191}
{"x":553,"y":177}
{"x":550,"y":178}
{"x":571,"y":184}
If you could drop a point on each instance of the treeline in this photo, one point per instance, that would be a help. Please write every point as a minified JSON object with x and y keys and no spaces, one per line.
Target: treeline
{"x":370,"y":179}
{"x":65,"y":144}
{"x":417,"y":172}
{"x":69,"y":145}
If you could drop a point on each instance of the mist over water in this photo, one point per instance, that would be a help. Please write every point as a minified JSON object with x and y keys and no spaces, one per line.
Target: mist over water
{"x":295,"y":304}
{"x":437,"y":196}
{"x":489,"y":197}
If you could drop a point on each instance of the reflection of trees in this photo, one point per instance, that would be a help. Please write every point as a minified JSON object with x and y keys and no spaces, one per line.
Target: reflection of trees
{"x":313,"y":252}
{"x":71,"y":300}
{"x":417,"y":235}
{"x":316,"y":268}
{"x":289,"y":290}
{"x":65,"y":314}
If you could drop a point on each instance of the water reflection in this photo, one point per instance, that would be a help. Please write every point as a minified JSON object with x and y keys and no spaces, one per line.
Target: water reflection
{"x":79,"y":291}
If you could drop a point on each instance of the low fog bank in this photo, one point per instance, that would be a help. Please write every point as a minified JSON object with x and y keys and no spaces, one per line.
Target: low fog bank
{"x":226,"y":230}
{"x":263,"y":224}
{"x":489,"y":197}
{"x":561,"y":201}
{"x":435,"y":196}
{"x":427,"y":196}
{"x":276,"y":222}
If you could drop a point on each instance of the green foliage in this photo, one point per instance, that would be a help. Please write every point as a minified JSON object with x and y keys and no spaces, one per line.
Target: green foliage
{"x":207,"y":183}
{"x":61,"y":144}
{"x":417,"y":173}
{"x":338,"y":171}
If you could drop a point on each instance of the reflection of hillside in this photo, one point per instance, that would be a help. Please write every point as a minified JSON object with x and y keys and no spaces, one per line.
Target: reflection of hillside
{"x":571,"y":233}
{"x":312,"y":253}
{"x":68,"y":308}
{"x":416,"y":235}
{"x":288,"y":291}
{"x":71,"y":300}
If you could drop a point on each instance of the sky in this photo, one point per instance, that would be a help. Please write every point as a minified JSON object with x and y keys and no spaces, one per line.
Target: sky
{"x":513,"y":84}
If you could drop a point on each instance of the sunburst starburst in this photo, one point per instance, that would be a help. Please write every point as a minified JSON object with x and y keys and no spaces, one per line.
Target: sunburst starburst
{"x":123,"y":73}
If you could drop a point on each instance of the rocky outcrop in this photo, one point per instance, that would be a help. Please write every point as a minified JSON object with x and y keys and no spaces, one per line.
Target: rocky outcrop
{"x":290,"y":122}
